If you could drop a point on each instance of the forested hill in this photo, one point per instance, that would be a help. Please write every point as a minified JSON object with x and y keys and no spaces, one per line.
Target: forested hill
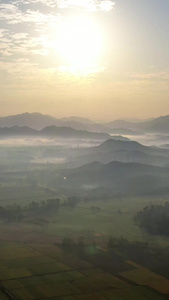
{"x":116,"y":177}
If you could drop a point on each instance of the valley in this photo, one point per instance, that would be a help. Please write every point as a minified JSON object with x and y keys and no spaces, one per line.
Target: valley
{"x":68,"y":194}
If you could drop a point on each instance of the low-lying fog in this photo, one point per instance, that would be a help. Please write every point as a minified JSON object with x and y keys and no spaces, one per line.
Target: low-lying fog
{"x":159,"y":140}
{"x":69,"y":143}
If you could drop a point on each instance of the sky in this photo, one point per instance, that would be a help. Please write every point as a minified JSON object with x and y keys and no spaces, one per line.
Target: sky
{"x":99,"y":59}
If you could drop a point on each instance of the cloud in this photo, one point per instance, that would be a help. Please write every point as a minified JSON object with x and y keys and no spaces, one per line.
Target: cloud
{"x":3,"y":32}
{"x":22,"y":44}
{"x":90,"y":5}
{"x":11,"y":14}
{"x":32,"y":39}
{"x":27,"y":33}
{"x":16,"y":65}
{"x":151,"y":76}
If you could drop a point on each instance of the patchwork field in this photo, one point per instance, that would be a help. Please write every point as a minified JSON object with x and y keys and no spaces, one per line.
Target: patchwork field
{"x":41,"y":271}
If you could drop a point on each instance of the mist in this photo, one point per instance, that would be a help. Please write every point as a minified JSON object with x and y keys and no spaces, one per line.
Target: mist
{"x":86,"y":199}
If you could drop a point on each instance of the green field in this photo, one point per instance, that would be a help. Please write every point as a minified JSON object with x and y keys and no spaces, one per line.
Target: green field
{"x":115,"y":218}
{"x":81,"y":221}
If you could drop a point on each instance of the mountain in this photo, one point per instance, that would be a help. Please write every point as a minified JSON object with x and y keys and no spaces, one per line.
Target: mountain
{"x":114,"y":145}
{"x":119,"y":138}
{"x":17,"y":131}
{"x":116,"y":178}
{"x":74,"y":124}
{"x":78,"y":119}
{"x":70,"y":132}
{"x":155,"y":125}
{"x":32,"y":120}
{"x":122,"y":124}
{"x":39,"y":121}
{"x":99,"y":173}
{"x":122,"y":156}
{"x":123,"y":131}
{"x":52,"y":131}
{"x":159,"y":125}
{"x":122,"y":151}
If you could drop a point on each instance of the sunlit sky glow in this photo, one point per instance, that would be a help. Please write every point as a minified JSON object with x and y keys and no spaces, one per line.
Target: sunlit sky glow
{"x":78,"y":41}
{"x":100,"y":59}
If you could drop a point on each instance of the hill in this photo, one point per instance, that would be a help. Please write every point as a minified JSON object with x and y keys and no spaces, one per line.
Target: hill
{"x":121,"y":124}
{"x":51,"y":131}
{"x":159,"y":125}
{"x":17,"y":131}
{"x":32,"y":120}
{"x":116,"y":178}
{"x":122,"y":156}
{"x":70,"y":132}
{"x":123,"y":131}
{"x":123,"y":151}
{"x":39,"y":121}
{"x":155,"y":125}
{"x":112,"y":145}
{"x":117,"y":145}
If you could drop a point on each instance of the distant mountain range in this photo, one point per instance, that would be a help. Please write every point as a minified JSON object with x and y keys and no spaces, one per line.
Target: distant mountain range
{"x":51,"y":132}
{"x":39,"y":121}
{"x":156,"y":125}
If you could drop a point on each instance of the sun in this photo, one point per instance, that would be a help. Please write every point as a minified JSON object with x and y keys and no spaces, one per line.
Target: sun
{"x":79,"y":41}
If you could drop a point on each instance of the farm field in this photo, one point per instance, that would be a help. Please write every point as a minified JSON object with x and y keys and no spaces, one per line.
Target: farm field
{"x":42,"y":271}
{"x":114,"y":218}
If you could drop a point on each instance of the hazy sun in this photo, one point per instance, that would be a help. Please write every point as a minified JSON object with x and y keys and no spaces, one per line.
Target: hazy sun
{"x":79,"y":42}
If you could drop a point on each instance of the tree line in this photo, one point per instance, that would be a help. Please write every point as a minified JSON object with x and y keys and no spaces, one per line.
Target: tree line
{"x":154,"y":219}
{"x":16,"y":212}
